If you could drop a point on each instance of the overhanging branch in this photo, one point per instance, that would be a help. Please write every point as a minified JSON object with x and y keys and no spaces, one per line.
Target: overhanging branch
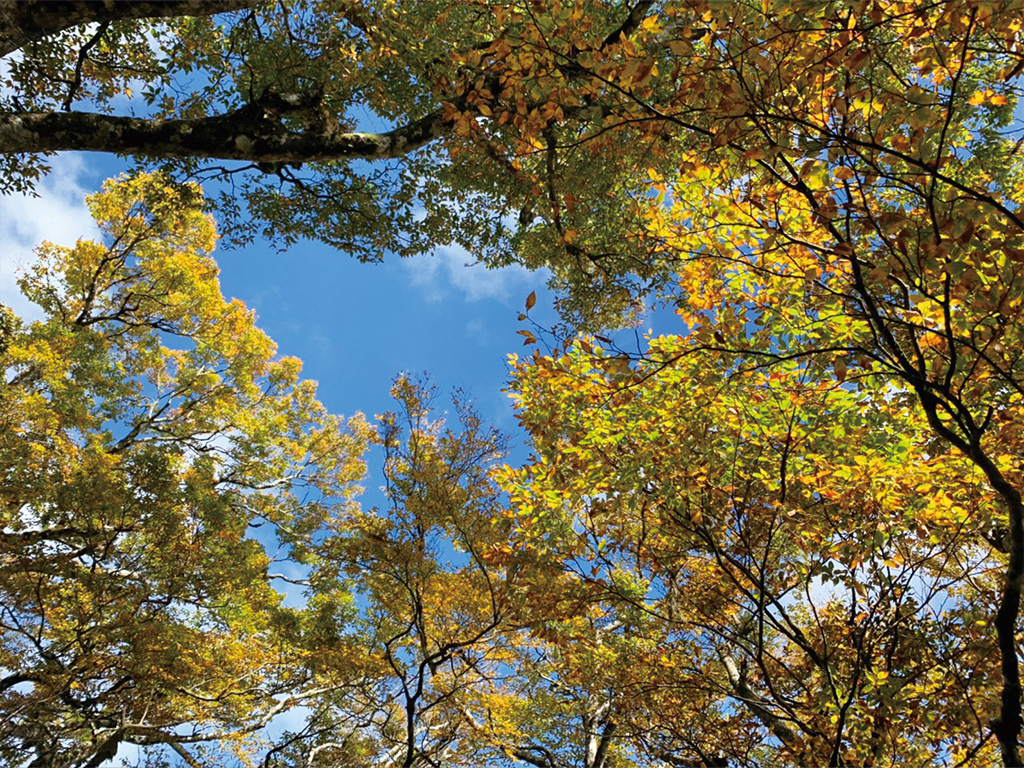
{"x":244,"y":134}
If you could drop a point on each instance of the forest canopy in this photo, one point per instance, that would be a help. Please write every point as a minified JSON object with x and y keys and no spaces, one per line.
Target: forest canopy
{"x":790,"y":534}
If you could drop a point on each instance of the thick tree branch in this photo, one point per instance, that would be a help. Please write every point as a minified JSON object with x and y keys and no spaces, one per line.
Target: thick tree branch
{"x":630,"y":24}
{"x":248,"y":134}
{"x":714,"y":761}
{"x":535,"y":755}
{"x":27,"y":21}
{"x":604,"y":743}
{"x":753,"y":702}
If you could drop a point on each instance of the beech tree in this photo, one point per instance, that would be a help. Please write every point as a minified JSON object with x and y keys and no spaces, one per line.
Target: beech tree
{"x":147,"y":429}
{"x":463,"y":633}
{"x":268,"y":97}
{"x":433,"y":613}
{"x":839,"y":189}
{"x":372,"y":127}
{"x":801,"y":582}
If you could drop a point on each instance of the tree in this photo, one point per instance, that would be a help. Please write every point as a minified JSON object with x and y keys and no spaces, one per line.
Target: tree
{"x":836,"y":185}
{"x":147,"y":431}
{"x":458,"y":98}
{"x":802,"y":571}
{"x":459,"y":629}
{"x":277,"y":88}
{"x":432,"y":610}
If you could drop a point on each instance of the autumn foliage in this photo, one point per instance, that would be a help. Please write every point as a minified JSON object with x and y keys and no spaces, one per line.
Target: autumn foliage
{"x":786,"y":531}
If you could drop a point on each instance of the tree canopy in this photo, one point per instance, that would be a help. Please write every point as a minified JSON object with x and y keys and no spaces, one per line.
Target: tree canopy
{"x":147,"y":429}
{"x":791,"y":534}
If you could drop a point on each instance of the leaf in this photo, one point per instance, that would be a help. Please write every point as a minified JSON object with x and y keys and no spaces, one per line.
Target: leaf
{"x":531,"y":300}
{"x":839,"y":366}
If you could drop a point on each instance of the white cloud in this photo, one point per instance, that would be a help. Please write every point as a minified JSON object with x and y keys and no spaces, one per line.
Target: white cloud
{"x":477,"y":330}
{"x":58,"y":214}
{"x":451,"y":267}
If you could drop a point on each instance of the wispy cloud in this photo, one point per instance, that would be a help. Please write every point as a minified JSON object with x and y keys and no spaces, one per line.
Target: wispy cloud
{"x":452,"y":268}
{"x":58,"y":214}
